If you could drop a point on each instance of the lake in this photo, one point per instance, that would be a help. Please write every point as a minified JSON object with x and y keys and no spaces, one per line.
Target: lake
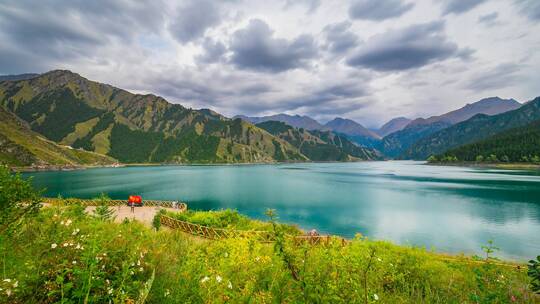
{"x":448,"y":209}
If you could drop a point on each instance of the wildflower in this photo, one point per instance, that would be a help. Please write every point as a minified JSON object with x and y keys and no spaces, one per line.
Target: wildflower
{"x":379,"y":259}
{"x":375,"y":297}
{"x":7,"y":280}
{"x":68,"y":222}
{"x":104,"y":254}
{"x":53,"y":245}
{"x":8,"y":292}
{"x":131,"y":273}
{"x":62,"y":223}
{"x":15,"y":284}
{"x":78,"y":246}
{"x":65,"y":244}
{"x":74,"y":262}
{"x":218,"y":279}
{"x":141,"y":269}
{"x":226,"y":254}
{"x":229,"y":285}
{"x":257,"y":259}
{"x":75,"y":231}
{"x":205,"y":279}
{"x":138,"y":263}
{"x":167,"y":292}
{"x":513,"y":298}
{"x":110,"y":290}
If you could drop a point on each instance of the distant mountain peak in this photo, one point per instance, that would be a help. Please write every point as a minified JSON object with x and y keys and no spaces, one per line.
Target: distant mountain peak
{"x":393,"y":125}
{"x":350,"y":127}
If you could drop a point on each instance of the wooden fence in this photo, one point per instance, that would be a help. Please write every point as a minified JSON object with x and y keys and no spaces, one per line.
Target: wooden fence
{"x":261,"y":236}
{"x":95,"y":202}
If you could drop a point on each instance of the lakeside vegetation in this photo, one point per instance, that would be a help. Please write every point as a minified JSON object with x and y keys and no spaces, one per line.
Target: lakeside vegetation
{"x":60,"y":254}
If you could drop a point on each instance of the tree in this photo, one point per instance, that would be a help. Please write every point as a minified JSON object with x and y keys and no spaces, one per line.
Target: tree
{"x":492,"y":158}
{"x":432,"y":159}
{"x":479,"y":158}
{"x":103,"y":211}
{"x":17,"y":198}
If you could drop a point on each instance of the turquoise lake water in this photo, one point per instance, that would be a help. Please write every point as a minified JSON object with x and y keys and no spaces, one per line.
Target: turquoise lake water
{"x":449,"y":209}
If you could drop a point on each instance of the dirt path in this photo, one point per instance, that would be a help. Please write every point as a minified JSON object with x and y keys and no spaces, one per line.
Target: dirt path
{"x":142,"y":214}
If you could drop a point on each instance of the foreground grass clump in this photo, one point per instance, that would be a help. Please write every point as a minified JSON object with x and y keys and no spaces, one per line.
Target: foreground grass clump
{"x":62,"y":255}
{"x":229,"y":219}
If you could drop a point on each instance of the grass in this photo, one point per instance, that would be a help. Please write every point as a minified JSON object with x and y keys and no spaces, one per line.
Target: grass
{"x":62,"y":255}
{"x":229,"y":219}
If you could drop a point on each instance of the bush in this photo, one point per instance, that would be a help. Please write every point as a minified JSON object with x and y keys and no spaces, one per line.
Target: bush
{"x":103,"y":210}
{"x":17,"y":199}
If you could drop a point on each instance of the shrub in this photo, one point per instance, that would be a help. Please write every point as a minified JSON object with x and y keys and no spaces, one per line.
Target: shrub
{"x":17,"y":199}
{"x":103,"y":210}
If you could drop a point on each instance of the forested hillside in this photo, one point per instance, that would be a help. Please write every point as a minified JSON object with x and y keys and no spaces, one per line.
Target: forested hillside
{"x":71,"y":110}
{"x":319,"y":145}
{"x":515,"y":145}
{"x":477,"y":128}
{"x":22,"y":147}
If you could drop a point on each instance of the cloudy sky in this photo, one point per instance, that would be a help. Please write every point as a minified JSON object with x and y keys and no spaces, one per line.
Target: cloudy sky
{"x":368,"y":60}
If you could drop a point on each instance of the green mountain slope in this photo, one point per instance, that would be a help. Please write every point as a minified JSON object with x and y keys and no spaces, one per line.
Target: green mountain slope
{"x":319,"y":145}
{"x":133,"y":128}
{"x":22,"y":147}
{"x":396,"y":144}
{"x":515,"y":145}
{"x":476,"y":128}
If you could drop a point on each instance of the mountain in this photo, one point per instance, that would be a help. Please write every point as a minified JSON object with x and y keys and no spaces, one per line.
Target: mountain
{"x":21,"y":147}
{"x":319,"y":145}
{"x":393,"y":125}
{"x":488,"y":106}
{"x":72,"y":110}
{"x":477,"y":128}
{"x":18,"y":77}
{"x":515,"y":145}
{"x":349,"y":127}
{"x":395,"y":144}
{"x":296,"y":121}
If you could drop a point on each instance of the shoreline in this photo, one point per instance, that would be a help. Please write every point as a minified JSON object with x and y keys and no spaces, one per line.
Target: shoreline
{"x":503,"y":166}
{"x":53,"y":168}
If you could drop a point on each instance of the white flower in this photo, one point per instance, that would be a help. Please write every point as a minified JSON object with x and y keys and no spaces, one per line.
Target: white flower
{"x":205,"y":279}
{"x":226,"y":254}
{"x":74,"y":262}
{"x":229,"y":285}
{"x":218,"y":279}
{"x":108,"y":282}
{"x":110,"y":290}
{"x":68,"y":222}
{"x":15,"y":284}
{"x":375,"y":297}
{"x":141,"y":269}
{"x":78,"y":246}
{"x":379,"y":259}
{"x":8,"y":292}
{"x":7,"y":280}
{"x":53,"y":245}
{"x":131,"y":273}
{"x":138,"y":263}
{"x":62,"y":223}
{"x":167,"y":292}
{"x":75,"y":231}
{"x":257,"y":259}
{"x":65,"y":244}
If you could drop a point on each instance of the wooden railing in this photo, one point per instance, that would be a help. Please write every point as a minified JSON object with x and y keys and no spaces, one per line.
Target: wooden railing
{"x":261,"y":236}
{"x":95,"y":202}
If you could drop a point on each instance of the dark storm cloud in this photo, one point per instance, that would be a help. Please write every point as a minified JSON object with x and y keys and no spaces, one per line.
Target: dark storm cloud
{"x":411,"y":47}
{"x":460,"y":6}
{"x":502,"y":76}
{"x":338,"y":37}
{"x":530,"y":8}
{"x":213,"y":51}
{"x":255,"y":48}
{"x":379,"y":9}
{"x":193,"y":18}
{"x":489,"y":19}
{"x":46,"y":33}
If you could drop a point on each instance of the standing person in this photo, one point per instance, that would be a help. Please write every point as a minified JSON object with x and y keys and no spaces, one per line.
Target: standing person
{"x":132,"y":205}
{"x":174,"y":204}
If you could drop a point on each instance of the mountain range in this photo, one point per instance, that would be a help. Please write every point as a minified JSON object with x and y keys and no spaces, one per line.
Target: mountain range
{"x":73,"y":111}
{"x":77,"y":116}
